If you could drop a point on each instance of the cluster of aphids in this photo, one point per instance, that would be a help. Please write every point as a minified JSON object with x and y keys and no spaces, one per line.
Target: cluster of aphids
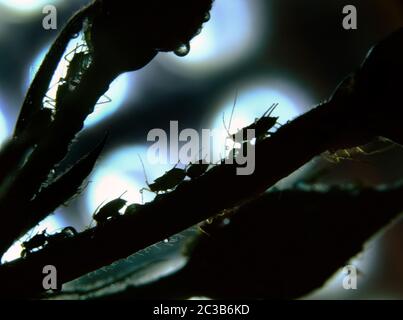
{"x":172,"y":178}
{"x":165,"y":183}
{"x":175,"y":176}
{"x":44,"y":239}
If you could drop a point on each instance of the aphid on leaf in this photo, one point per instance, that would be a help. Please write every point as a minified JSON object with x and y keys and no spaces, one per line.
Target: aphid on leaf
{"x":79,"y":60}
{"x":77,"y":67}
{"x":110,"y":210}
{"x":166,"y":182}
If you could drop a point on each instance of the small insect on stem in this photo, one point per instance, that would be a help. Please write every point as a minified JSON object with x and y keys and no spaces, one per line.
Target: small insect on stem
{"x":36,"y":242}
{"x":261,"y":126}
{"x":166,"y":182}
{"x":76,"y":69}
{"x":79,"y":60}
{"x":43,"y":239}
{"x":196,"y":169}
{"x":67,"y":232}
{"x":110,"y":210}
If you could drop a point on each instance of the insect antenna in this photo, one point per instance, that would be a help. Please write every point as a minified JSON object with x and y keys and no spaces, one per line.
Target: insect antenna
{"x":69,"y":55}
{"x":232,"y":114}
{"x":144,"y":170}
{"x":96,"y":210}
{"x":230,"y":121}
{"x":122,"y":194}
{"x":269,"y":111}
{"x":145,"y":176}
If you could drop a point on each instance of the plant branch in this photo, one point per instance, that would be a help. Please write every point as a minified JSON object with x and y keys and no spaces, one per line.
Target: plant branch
{"x":276,"y":157}
{"x":283,"y":244}
{"x":41,"y":82}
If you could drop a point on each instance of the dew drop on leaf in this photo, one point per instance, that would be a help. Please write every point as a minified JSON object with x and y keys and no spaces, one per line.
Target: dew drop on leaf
{"x":183,"y":50}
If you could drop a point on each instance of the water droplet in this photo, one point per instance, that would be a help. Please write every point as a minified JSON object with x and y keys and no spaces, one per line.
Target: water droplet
{"x":207,"y":17}
{"x":166,"y":240}
{"x":75,"y":35}
{"x":183,"y":50}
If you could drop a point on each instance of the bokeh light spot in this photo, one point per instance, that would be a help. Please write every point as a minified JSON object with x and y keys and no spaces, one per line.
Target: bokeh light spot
{"x":27,"y":6}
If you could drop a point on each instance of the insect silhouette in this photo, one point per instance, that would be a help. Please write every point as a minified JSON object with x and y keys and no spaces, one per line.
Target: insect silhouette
{"x":109,"y":211}
{"x":36,"y":242}
{"x":261,"y":126}
{"x":166,"y":182}
{"x":197,"y":169}
{"x":67,"y":232}
{"x":79,"y":60}
{"x":43,"y":239}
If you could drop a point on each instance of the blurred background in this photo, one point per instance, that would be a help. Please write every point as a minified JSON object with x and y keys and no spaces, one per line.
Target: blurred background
{"x":269,"y":51}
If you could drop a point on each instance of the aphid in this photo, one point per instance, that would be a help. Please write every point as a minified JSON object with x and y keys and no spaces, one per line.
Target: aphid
{"x":261,"y":126}
{"x":67,"y":232}
{"x":44,"y":239}
{"x":79,"y":61}
{"x":36,"y":242}
{"x":77,"y":66}
{"x":195,"y":170}
{"x":166,"y":182}
{"x":110,"y":210}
